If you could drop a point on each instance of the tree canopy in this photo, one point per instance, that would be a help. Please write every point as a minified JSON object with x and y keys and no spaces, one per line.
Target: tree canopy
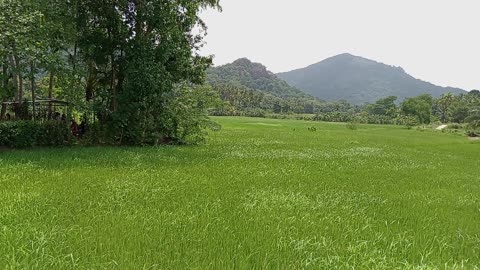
{"x":121,"y":62}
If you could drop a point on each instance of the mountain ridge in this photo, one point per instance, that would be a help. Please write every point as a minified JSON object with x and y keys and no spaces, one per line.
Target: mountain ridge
{"x":359,"y":80}
{"x":256,"y":76}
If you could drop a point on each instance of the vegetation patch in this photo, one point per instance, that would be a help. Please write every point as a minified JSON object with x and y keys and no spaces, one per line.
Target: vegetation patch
{"x":254,"y":196}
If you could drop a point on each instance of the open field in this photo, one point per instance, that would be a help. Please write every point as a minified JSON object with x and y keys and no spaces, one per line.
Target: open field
{"x":261,"y":194}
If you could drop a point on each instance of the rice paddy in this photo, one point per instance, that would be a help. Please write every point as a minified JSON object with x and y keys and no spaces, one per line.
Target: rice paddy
{"x":260,"y":194}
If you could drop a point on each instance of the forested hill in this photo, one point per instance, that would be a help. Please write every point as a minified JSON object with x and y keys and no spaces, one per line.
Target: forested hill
{"x":243,"y":72}
{"x":359,"y":80}
{"x":252,"y":90}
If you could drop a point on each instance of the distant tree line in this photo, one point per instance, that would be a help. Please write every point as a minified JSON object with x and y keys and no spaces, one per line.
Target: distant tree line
{"x":424,"y":109}
{"x":421,"y":110}
{"x":242,"y":101}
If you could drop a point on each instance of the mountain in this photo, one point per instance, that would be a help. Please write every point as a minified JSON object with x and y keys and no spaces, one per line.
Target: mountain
{"x":252,"y":90}
{"x":359,"y":80}
{"x":245,"y":73}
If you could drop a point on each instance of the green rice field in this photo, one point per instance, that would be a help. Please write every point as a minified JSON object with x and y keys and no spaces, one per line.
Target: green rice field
{"x":260,"y":194}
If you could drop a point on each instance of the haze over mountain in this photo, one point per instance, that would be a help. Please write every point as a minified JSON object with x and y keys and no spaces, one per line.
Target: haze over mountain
{"x":359,"y":80}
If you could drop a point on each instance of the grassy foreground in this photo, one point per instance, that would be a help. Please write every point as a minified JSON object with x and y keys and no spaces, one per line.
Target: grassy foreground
{"x":261,"y":194}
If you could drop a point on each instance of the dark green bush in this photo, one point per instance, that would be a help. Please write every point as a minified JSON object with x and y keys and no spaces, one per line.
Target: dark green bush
{"x":97,"y":134}
{"x":54,"y":133}
{"x":26,"y":134}
{"x":20,"y":134}
{"x":7,"y":133}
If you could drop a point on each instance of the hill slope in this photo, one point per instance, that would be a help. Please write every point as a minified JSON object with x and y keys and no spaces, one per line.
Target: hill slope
{"x":243,"y":72}
{"x":359,"y":80}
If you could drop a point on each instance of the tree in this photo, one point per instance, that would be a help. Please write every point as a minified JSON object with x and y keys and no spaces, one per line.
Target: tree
{"x":419,"y":107}
{"x":21,"y":37}
{"x":475,"y":93}
{"x":474,"y":121}
{"x":151,"y":52}
{"x":123,"y":59}
{"x":459,"y":111}
{"x":385,"y":106}
{"x":443,"y":106}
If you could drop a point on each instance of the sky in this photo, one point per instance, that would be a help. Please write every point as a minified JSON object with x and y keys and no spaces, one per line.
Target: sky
{"x":433,"y":40}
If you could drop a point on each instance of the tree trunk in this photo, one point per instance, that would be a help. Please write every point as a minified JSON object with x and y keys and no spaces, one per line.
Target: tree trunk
{"x":91,"y":81}
{"x":3,"y":111}
{"x":20,"y":78}
{"x":50,"y":93}
{"x":32,"y":81}
{"x":113,"y":87}
{"x":74,"y":60}
{"x":15,"y":76}
{"x":17,"y":83}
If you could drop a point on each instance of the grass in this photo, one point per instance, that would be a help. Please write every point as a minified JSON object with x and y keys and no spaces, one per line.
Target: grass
{"x":261,"y":194}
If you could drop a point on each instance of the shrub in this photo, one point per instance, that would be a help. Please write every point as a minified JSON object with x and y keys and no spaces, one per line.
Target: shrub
{"x":352,"y":125}
{"x":54,"y":133}
{"x":7,"y":133}
{"x":408,"y":121}
{"x":473,"y":121}
{"x":473,"y":134}
{"x":97,"y":134}
{"x":254,"y":113}
{"x":26,"y":134}
{"x":21,"y":134}
{"x":455,"y":126}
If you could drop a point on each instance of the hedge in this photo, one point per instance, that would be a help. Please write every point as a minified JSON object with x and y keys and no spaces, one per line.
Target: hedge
{"x":27,"y":134}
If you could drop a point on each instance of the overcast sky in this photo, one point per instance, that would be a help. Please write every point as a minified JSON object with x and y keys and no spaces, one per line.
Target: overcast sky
{"x":434,"y":40}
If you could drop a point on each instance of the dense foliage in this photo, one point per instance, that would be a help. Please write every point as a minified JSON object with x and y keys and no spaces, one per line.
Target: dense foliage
{"x":23,"y":134}
{"x":124,"y":65}
{"x":424,"y":109}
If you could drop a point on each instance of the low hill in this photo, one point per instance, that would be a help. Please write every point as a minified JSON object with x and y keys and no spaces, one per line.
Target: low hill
{"x":359,"y":80}
{"x":245,"y":73}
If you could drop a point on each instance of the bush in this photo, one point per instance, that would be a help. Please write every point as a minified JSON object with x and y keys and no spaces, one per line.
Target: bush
{"x":473,"y":134}
{"x":26,"y":134}
{"x":7,"y":134}
{"x":455,"y":126}
{"x":352,"y":125}
{"x":97,"y":134}
{"x":254,"y":113}
{"x":408,"y":121}
{"x":54,"y":133}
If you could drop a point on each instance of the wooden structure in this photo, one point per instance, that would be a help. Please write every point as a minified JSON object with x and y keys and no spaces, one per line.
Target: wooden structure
{"x":45,"y":108}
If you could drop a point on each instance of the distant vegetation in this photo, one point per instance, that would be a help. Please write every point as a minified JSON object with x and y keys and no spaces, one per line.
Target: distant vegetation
{"x":249,"y":89}
{"x":359,"y":80}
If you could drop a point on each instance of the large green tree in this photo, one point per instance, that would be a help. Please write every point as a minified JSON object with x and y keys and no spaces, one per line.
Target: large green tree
{"x":120,"y":59}
{"x":419,"y":107}
{"x":135,"y":52}
{"x":385,"y":106}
